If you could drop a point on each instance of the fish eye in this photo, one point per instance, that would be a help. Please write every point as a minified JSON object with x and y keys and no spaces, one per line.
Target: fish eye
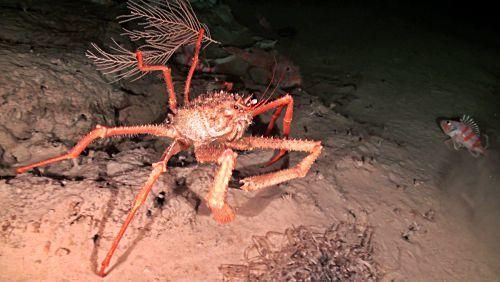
{"x":236,"y":107}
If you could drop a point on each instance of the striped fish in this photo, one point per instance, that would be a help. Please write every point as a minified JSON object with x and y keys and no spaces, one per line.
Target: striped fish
{"x":464,"y":133}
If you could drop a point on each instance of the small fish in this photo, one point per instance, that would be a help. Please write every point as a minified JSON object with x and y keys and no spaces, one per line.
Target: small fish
{"x":464,"y":133}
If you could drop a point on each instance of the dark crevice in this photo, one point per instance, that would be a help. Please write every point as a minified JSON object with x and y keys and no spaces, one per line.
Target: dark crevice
{"x":132,"y":93}
{"x":95,"y":238}
{"x":236,"y":177}
{"x":111,"y":150}
{"x":182,"y":159}
{"x":116,"y":112}
{"x":58,"y":177}
{"x":182,"y":189}
{"x":160,"y":200}
{"x":6,"y":177}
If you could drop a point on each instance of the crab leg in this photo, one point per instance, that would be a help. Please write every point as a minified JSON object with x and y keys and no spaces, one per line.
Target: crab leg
{"x":287,"y":101}
{"x":158,"y":168}
{"x":300,"y":170}
{"x":194,"y":63}
{"x":274,"y":117}
{"x":167,"y":76}
{"x":216,"y":198}
{"x":101,"y":132}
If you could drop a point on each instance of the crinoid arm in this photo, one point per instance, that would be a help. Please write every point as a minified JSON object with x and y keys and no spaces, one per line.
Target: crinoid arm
{"x":166,"y":26}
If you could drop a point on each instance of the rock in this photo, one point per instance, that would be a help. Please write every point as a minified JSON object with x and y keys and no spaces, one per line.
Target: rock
{"x":62,"y":252}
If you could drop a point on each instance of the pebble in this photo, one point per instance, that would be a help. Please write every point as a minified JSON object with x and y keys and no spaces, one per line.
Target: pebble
{"x":62,"y":252}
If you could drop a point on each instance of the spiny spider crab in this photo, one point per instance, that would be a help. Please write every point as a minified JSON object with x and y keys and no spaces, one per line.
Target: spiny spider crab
{"x":213,"y":123}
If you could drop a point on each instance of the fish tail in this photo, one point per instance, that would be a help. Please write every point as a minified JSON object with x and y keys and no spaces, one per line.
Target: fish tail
{"x":486,"y":141}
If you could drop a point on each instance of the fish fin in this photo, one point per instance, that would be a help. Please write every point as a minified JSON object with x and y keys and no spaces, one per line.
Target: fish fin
{"x":451,"y":144}
{"x":469,"y":121}
{"x":475,"y":154}
{"x":456,"y":145}
{"x":447,"y":142}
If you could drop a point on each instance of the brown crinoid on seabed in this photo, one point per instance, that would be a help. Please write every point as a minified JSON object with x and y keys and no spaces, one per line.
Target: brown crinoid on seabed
{"x":342,"y":252}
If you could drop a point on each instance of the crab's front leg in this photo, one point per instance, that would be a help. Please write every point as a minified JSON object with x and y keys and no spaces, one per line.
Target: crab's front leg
{"x":216,"y":198}
{"x":278,"y":104}
{"x":300,"y":170}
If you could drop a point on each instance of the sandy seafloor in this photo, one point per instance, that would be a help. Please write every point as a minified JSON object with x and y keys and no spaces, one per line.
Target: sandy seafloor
{"x":434,"y":210}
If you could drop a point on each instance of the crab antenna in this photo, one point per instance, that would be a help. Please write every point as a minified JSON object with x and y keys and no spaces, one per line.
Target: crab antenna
{"x":264,"y":101}
{"x":272,"y":76}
